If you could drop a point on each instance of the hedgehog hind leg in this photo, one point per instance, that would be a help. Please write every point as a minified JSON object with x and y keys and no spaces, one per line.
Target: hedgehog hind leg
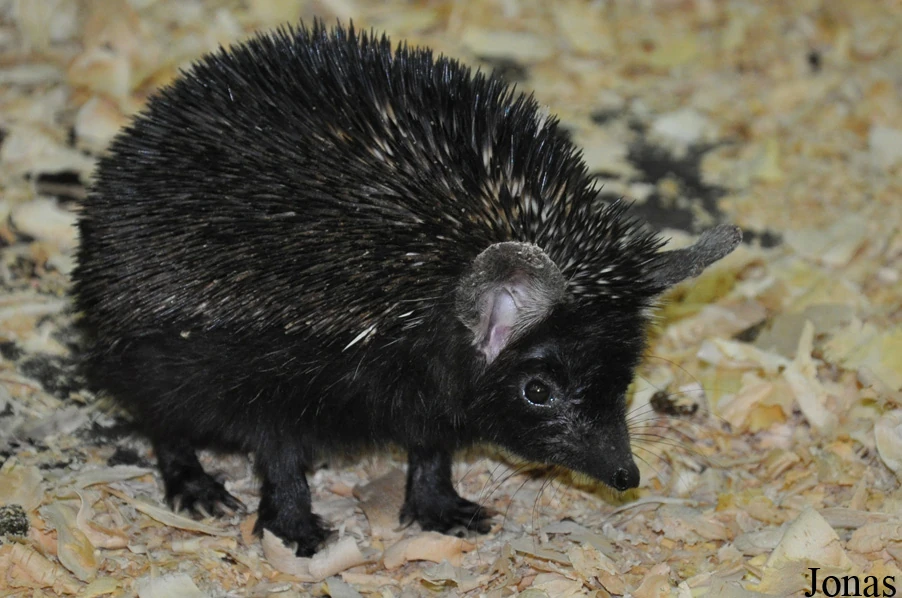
{"x":188,"y":486}
{"x":432,"y":501}
{"x":285,"y":501}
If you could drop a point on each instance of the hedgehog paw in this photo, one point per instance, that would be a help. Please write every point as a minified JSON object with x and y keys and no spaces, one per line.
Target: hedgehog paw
{"x":188,"y":486}
{"x":452,"y":515}
{"x":203,"y":496}
{"x":308,"y":534}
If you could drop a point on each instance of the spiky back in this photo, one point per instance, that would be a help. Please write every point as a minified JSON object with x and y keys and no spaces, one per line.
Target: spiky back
{"x":316,"y":181}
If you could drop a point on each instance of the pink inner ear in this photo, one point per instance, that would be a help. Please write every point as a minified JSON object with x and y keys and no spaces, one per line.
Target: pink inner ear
{"x":500,"y":325}
{"x":497,"y":340}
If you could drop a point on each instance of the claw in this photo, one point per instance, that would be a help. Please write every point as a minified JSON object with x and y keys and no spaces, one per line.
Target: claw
{"x":460,"y":518}
{"x":229,"y":507}
{"x":203,"y":496}
{"x":303,"y":535}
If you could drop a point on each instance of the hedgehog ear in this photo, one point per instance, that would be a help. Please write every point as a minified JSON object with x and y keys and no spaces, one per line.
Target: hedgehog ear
{"x":509,"y":289}
{"x":504,"y":312}
{"x":670,"y":267}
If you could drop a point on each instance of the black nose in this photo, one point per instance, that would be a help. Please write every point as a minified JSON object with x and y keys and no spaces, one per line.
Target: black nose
{"x":625,"y":478}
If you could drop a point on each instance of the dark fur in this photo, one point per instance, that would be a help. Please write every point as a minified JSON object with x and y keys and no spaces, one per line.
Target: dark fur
{"x":285,"y":197}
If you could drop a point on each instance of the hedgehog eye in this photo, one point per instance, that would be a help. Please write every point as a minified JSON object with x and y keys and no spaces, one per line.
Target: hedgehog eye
{"x":537,"y":392}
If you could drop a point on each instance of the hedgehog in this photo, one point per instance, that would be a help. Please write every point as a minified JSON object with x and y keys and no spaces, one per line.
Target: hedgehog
{"x":315,"y":241}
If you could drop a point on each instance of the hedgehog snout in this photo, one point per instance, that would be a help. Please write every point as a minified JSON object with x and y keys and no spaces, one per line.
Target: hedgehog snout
{"x":614,"y":464}
{"x":625,"y":477}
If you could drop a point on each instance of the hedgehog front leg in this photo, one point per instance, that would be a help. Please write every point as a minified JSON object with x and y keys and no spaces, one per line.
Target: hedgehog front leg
{"x":431,"y":500}
{"x":285,"y":504}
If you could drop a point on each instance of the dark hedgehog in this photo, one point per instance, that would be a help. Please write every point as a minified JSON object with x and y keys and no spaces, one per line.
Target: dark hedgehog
{"x":313,"y":242}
